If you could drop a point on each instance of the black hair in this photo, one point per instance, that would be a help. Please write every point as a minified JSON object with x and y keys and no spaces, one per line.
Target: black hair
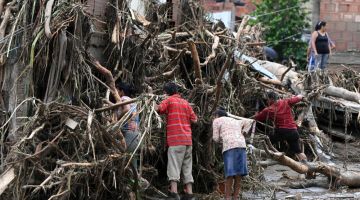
{"x":272,"y":95}
{"x":319,"y":25}
{"x":170,"y":88}
{"x":126,"y":88}
{"x":220,"y":112}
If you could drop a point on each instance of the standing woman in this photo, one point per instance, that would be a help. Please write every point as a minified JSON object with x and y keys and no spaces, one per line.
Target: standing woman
{"x":321,"y":45}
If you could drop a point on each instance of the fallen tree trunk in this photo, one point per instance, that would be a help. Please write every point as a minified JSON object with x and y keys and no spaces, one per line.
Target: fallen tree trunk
{"x":337,"y":133}
{"x":342,"y":93}
{"x":348,"y":178}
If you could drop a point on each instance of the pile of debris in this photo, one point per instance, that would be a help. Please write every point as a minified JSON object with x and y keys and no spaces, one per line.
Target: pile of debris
{"x":68,"y":146}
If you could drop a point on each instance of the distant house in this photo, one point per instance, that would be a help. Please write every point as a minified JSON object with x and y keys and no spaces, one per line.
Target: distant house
{"x":228,"y":11}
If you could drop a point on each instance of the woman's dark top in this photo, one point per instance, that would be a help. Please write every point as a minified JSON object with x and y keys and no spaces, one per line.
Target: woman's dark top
{"x":322,"y":44}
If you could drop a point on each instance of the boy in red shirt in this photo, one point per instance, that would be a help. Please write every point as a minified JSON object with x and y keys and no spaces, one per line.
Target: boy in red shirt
{"x":179,"y":116}
{"x":279,"y":111}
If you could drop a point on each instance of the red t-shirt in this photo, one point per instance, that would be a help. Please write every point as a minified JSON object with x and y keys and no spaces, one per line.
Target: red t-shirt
{"x":179,"y":116}
{"x":280,"y":113}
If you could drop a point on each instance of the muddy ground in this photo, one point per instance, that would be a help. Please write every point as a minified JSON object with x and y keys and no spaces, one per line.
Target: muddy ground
{"x":284,"y":179}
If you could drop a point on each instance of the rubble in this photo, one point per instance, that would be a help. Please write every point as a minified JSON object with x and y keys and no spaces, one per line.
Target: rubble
{"x":69,"y":146}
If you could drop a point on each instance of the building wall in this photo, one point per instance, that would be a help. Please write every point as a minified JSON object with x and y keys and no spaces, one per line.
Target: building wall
{"x":213,"y":6}
{"x":343,"y":22}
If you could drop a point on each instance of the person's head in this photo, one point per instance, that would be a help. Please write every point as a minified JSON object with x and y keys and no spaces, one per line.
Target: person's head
{"x":219,"y":113}
{"x":320,"y":26}
{"x":124,"y":89}
{"x":271,"y":97}
{"x":170,"y":88}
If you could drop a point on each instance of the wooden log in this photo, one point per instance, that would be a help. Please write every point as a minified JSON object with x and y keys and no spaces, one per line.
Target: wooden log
{"x":196,"y":62}
{"x":109,"y":80}
{"x":285,"y":160}
{"x":48,"y":10}
{"x":348,"y":178}
{"x":291,"y":76}
{"x":167,"y":36}
{"x":213,"y":47}
{"x":342,"y":93}
{"x":270,"y":81}
{"x":117,"y":105}
{"x":336,"y":133}
{"x":6,"y":178}
{"x":219,"y":78}
{"x":165,"y":75}
{"x":241,"y":27}
{"x":1,"y":6}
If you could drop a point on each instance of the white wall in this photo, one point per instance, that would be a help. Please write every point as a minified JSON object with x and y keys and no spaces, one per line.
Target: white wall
{"x":138,"y":6}
{"x":224,"y":16}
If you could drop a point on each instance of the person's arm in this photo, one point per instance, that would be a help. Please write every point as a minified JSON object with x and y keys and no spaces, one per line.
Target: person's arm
{"x":261,"y":116}
{"x":247,"y":125}
{"x":162,"y":107}
{"x":193,"y":117}
{"x":331,"y":43}
{"x":295,"y":99}
{"x":216,"y":131}
{"x":125,"y":108}
{"x":313,"y":39}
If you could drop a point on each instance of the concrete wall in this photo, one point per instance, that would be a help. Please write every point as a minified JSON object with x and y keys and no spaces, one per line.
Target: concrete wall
{"x":343,"y":22}
{"x":213,"y":6}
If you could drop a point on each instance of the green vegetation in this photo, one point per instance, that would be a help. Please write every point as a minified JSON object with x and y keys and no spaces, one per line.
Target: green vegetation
{"x":284,"y":22}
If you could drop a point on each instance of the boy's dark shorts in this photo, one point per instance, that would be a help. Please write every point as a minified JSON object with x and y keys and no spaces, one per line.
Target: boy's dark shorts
{"x":291,"y":136}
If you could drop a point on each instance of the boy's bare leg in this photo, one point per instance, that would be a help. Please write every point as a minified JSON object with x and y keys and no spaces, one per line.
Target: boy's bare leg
{"x":173,"y":187}
{"x":301,"y":157}
{"x":188,"y":188}
{"x":229,"y":182}
{"x":237,"y":187}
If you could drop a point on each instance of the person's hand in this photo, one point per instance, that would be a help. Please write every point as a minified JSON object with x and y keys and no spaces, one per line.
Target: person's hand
{"x":194,"y":121}
{"x":306,"y":100}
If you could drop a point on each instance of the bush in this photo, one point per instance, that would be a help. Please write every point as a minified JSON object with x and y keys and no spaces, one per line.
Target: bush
{"x":284,"y":21}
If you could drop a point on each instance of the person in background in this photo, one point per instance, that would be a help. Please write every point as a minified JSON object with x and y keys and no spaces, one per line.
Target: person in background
{"x":130,"y":129}
{"x":179,"y":116}
{"x":229,"y":132}
{"x":320,"y":45}
{"x":310,"y":57}
{"x":270,"y":54}
{"x":279,"y":111}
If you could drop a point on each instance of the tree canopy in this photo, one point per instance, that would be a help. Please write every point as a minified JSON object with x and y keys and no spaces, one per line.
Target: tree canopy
{"x":284,"y":22}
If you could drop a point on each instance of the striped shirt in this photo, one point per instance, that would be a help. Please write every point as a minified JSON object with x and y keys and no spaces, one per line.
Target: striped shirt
{"x":179,"y":115}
